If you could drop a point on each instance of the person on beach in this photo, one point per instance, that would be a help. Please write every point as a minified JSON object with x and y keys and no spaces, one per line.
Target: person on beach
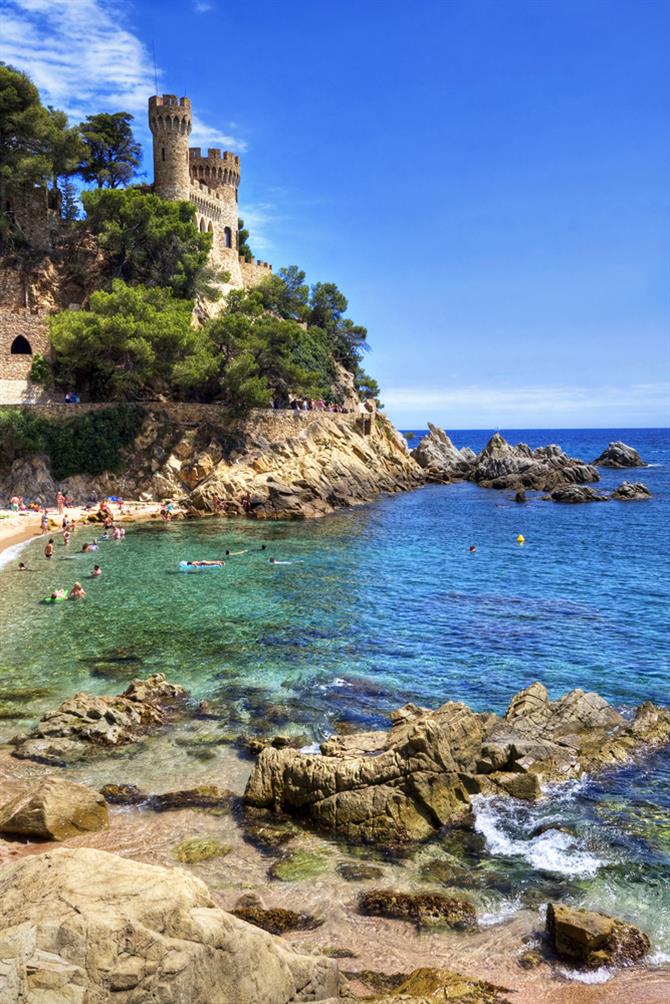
{"x":97,"y":571}
{"x":66,"y":522}
{"x":60,"y":502}
{"x":49,"y":549}
{"x":77,"y":592}
{"x":44,"y":522}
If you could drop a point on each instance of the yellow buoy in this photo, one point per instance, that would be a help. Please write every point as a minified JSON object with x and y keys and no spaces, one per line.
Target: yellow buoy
{"x":521,"y":539}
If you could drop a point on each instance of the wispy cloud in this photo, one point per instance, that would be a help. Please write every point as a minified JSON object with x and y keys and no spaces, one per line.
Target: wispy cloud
{"x":83,"y":59}
{"x":259,"y":218}
{"x":201,"y":6}
{"x":491,"y":406}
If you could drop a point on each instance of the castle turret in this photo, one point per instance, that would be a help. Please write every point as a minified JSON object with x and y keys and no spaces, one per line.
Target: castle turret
{"x":170,"y":123}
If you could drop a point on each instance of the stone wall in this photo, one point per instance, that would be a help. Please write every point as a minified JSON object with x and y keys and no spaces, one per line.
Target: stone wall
{"x":254,"y":272}
{"x":21,"y":324}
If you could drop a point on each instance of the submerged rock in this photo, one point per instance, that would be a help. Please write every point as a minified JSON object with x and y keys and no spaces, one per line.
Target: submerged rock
{"x":55,"y":810}
{"x":629,"y":491}
{"x":85,"y":724}
{"x":123,"y":794}
{"x":425,"y":909}
{"x":277,"y":920}
{"x":594,"y":939}
{"x":391,"y":788}
{"x":354,"y":871}
{"x":191,"y":851}
{"x":618,"y":454}
{"x":83,"y":925}
{"x":435,"y":986}
{"x":298,"y":865}
{"x":204,"y":796}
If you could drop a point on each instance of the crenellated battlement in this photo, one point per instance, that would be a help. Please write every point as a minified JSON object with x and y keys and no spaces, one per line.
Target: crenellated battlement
{"x":170,"y":114}
{"x":218,"y":168}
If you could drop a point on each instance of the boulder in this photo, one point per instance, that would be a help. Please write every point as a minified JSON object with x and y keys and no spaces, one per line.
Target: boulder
{"x":501,"y":465}
{"x":277,"y":920}
{"x":425,"y":909}
{"x":629,"y":491}
{"x":576,"y":493}
{"x":392,"y":788}
{"x":438,"y":456}
{"x":594,"y":939}
{"x":83,"y":925}
{"x":84,"y":724}
{"x":618,"y":454}
{"x":437,"y":986}
{"x":55,"y":810}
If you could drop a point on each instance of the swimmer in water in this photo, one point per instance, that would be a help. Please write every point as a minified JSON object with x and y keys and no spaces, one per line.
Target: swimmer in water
{"x":472,"y":549}
{"x":274,"y":561}
{"x":97,"y":570}
{"x":234,"y":554}
{"x":77,"y":592}
{"x":58,"y":594}
{"x":22,"y":567}
{"x":49,"y":549}
{"x":205,"y":564}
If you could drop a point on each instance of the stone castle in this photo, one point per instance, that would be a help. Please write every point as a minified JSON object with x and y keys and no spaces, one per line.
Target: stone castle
{"x":209,"y":182}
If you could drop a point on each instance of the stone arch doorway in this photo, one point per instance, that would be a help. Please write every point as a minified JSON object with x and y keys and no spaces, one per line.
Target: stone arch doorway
{"x":20,"y":347}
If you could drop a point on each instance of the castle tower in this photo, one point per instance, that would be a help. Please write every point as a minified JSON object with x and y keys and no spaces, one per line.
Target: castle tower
{"x":170,"y":123}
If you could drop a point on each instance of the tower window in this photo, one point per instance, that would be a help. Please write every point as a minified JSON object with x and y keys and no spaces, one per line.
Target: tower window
{"x":21,"y":347}
{"x":227,"y":237}
{"x":162,"y":153}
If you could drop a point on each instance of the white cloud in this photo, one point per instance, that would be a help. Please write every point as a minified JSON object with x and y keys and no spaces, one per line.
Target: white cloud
{"x":259,"y":217}
{"x":83,"y":60}
{"x":490,"y":406}
{"x":201,"y":6}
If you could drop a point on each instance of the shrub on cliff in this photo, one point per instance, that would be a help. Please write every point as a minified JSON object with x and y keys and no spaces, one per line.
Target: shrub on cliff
{"x":150,"y":241}
{"x":126,"y":346}
{"x":87,"y":443}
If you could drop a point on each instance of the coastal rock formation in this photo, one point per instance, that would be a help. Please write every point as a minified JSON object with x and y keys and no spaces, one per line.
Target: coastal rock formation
{"x":439,"y":458}
{"x":572,"y":494}
{"x":403,"y":785}
{"x":437,"y":986}
{"x":30,"y":477}
{"x":594,"y":939}
{"x":85,"y":723}
{"x":325,"y":466}
{"x":618,"y":454}
{"x":630,"y":491}
{"x":55,"y":810}
{"x":84,"y":925}
{"x":501,"y":465}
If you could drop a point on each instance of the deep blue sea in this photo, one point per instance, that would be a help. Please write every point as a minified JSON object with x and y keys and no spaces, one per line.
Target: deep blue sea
{"x":383,"y":604}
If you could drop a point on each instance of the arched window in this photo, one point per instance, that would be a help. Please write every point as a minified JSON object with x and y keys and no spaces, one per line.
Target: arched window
{"x":162,"y":153}
{"x":21,"y":347}
{"x":203,"y":227}
{"x":210,"y":228}
{"x":227,"y":237}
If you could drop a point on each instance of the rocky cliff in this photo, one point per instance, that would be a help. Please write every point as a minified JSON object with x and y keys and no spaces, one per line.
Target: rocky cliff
{"x":286,"y":464}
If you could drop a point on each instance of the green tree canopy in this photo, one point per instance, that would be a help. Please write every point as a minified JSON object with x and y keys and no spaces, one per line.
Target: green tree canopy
{"x":36,"y":143}
{"x":111,"y":155}
{"x":126,"y":346}
{"x":243,"y":241}
{"x":151,"y":241}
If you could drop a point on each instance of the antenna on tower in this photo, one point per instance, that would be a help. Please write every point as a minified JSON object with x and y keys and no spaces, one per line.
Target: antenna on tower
{"x":153,"y":46}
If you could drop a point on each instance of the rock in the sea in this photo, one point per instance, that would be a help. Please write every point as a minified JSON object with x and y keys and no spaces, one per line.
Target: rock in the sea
{"x":629,"y":491}
{"x":391,"y":788}
{"x":84,"y":926}
{"x":277,"y":920}
{"x":573,"y":494}
{"x":84,"y":724}
{"x":618,"y":454}
{"x":55,"y":810}
{"x":594,"y":939}
{"x":437,"y":986}
{"x":299,"y":865}
{"x":439,"y":457}
{"x":204,"y":796}
{"x":190,"y":852}
{"x":501,"y":465}
{"x":425,"y":909}
{"x":357,"y":871}
{"x":123,"y":794}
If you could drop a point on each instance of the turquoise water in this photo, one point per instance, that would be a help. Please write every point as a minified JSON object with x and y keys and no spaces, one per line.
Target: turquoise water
{"x":381,"y":605}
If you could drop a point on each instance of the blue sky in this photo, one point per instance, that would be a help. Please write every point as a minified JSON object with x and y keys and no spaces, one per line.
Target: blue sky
{"x":486,"y":181}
